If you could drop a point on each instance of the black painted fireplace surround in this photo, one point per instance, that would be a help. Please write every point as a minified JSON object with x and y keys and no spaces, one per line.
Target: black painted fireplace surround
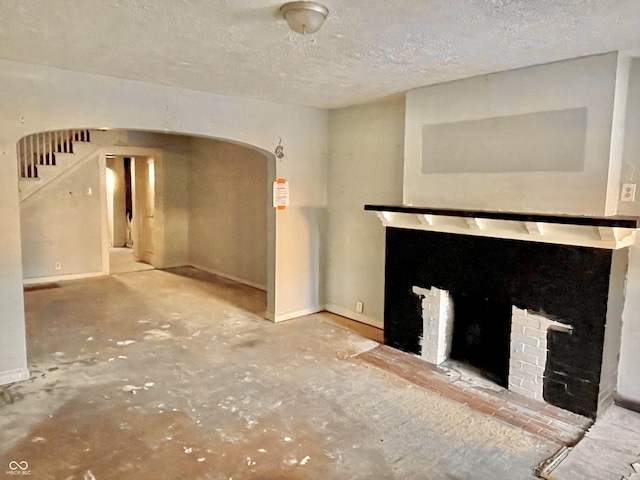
{"x":580,"y":286}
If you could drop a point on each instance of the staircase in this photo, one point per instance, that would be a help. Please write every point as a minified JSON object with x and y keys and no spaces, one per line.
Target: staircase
{"x":45,"y":156}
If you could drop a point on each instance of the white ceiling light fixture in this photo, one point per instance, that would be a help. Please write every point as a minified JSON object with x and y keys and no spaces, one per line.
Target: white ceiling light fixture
{"x":304,"y":17}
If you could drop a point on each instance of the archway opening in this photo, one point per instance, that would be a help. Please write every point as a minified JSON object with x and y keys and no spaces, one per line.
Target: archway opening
{"x":192,"y":202}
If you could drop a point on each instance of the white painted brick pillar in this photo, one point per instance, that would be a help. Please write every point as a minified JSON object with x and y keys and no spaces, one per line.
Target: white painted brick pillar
{"x":529,"y":352}
{"x":437,"y":324}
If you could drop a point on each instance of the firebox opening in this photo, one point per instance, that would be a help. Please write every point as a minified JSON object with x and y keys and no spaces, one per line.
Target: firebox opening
{"x":482,"y":335}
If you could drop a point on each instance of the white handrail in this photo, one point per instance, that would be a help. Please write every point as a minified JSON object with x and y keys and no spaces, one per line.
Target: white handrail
{"x":41,"y":148}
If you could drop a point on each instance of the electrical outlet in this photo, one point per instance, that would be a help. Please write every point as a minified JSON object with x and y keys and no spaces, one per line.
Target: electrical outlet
{"x":359,"y":307}
{"x":628,"y":193}
{"x":58,"y":266}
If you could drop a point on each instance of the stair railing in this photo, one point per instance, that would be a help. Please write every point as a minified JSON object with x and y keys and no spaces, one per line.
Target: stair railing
{"x":41,"y":148}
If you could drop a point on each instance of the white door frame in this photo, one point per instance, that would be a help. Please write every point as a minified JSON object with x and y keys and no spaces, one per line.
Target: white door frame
{"x":124,"y":151}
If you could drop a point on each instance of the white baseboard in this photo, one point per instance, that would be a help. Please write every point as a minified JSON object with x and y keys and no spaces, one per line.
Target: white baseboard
{"x":229,"y":277}
{"x":60,"y":278}
{"x":358,"y":317}
{"x":16,"y":375}
{"x":281,"y":317}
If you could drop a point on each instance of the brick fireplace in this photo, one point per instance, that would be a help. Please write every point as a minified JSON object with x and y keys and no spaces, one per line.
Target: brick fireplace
{"x":525,"y":349}
{"x":509,"y":239}
{"x":563,"y":302}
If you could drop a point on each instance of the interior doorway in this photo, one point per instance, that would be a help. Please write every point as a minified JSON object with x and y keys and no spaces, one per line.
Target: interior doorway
{"x":119,"y":201}
{"x":201,"y":202}
{"x":122,"y":206}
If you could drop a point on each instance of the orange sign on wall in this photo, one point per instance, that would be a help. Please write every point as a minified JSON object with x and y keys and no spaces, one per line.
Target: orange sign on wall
{"x":280,"y":194}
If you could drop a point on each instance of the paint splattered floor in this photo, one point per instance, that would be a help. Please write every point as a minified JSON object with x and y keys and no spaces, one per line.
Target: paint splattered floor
{"x":175,"y":375}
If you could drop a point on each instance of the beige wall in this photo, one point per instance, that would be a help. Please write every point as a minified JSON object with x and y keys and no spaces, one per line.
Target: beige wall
{"x":365,"y":166}
{"x":173,"y":203}
{"x":631,"y":145}
{"x":229,"y":197}
{"x":13,"y":357}
{"x":587,"y":83}
{"x":628,"y":378}
{"x":62,"y":223}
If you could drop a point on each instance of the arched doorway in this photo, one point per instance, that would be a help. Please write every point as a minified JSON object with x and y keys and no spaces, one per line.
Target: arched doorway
{"x":46,"y":99}
{"x":198,"y":201}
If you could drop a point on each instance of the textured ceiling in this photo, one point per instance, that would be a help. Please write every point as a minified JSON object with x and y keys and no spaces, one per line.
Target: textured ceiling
{"x":367,"y":50}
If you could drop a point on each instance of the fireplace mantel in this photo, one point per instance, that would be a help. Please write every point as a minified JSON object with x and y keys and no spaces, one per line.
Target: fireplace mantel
{"x":596,"y":232}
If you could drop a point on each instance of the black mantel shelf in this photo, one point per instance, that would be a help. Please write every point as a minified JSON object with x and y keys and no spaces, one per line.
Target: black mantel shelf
{"x":620,"y":222}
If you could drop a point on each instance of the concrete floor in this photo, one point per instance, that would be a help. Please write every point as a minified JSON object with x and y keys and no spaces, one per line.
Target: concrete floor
{"x":121,"y":260}
{"x":609,"y":451}
{"x":175,"y":375}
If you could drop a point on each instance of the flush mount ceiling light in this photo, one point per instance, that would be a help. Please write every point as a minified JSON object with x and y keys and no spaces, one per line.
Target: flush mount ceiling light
{"x":304,"y":17}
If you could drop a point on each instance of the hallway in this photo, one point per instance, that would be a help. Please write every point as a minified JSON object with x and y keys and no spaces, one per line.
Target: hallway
{"x":174,"y":374}
{"x":121,"y":260}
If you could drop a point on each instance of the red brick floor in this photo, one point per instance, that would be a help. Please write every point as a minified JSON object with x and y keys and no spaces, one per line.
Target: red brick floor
{"x":538,"y":418}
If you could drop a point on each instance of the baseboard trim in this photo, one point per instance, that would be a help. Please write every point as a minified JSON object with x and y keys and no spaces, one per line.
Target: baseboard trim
{"x":358,"y":317}
{"x":233,"y":278}
{"x":16,"y":375}
{"x":281,"y":317}
{"x":60,"y":278}
{"x":626,"y":403}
